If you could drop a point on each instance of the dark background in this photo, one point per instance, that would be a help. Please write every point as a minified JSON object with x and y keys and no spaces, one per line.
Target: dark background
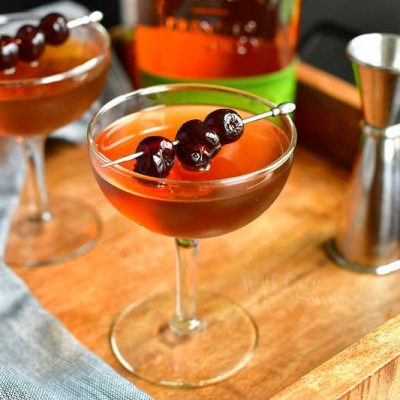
{"x":326,"y":25}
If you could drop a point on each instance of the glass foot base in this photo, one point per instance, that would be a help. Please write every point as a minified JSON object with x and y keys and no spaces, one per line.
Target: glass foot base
{"x":144,"y":344}
{"x":72,"y":230}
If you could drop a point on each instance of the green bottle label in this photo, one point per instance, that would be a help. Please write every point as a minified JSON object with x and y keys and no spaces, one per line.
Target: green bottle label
{"x":277,"y":87}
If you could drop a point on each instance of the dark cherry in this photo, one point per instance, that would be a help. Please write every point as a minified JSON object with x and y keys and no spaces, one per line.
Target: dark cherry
{"x":158,"y":156}
{"x":8,"y":52}
{"x":226,"y":123}
{"x":55,"y":28}
{"x":31,"y":42}
{"x":197,"y":144}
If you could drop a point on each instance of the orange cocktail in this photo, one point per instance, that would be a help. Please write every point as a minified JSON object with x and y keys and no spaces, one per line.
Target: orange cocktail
{"x":43,"y":86}
{"x":179,"y":339}
{"x":192,"y":211}
{"x":40,"y":99}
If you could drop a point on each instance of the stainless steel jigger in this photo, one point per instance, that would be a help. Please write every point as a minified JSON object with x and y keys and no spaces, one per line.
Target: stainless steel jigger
{"x":368,"y":237}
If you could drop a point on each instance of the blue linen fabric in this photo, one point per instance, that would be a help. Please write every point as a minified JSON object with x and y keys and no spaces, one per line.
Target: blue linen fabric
{"x":39,"y":358}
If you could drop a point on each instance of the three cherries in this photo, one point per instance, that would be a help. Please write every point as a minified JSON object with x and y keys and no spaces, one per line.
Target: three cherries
{"x":196,"y":143}
{"x":30,"y":40}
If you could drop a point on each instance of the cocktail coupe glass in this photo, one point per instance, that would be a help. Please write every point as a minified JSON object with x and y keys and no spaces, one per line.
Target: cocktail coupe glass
{"x":186,"y":339}
{"x":43,"y":231}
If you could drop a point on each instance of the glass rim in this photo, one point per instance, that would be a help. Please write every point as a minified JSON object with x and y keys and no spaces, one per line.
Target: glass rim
{"x":355,"y":58}
{"x":70,"y":73}
{"x":192,"y":86}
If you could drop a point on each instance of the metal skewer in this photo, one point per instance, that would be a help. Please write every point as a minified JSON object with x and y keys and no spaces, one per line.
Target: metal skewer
{"x":280,"y":109}
{"x":95,"y":16}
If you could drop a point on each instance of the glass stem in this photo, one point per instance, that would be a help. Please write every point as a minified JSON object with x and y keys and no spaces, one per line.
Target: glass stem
{"x":34,"y":153}
{"x":184,"y":321}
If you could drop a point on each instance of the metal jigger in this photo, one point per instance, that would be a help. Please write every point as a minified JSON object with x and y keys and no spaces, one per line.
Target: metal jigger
{"x":368,"y":238}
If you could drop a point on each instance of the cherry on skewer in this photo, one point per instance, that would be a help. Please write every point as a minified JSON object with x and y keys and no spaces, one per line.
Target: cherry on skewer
{"x":8,"y":52}
{"x":158,"y":156}
{"x":196,"y":141}
{"x":29,"y":42}
{"x":55,"y":28}
{"x":227,"y":124}
{"x":196,"y":145}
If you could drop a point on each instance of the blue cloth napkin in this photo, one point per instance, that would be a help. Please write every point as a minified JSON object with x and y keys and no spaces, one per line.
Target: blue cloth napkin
{"x":39,"y":358}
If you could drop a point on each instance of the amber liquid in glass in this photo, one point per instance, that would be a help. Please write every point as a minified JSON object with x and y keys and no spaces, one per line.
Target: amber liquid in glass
{"x":32,"y":108}
{"x":195,"y":209}
{"x":202,"y":39}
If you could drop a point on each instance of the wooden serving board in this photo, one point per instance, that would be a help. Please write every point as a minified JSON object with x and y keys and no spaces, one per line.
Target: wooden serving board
{"x":325,"y":333}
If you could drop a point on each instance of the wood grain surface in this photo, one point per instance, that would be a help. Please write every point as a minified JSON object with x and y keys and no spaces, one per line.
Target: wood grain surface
{"x":356,"y":373}
{"x":306,"y":308}
{"x":313,"y":317}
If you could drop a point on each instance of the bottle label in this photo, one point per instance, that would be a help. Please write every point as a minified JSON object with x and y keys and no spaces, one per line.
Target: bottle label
{"x":277,"y":86}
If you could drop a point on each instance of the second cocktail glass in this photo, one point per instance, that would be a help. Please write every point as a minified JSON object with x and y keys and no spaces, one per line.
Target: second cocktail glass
{"x":35,"y":100}
{"x":188,"y":338}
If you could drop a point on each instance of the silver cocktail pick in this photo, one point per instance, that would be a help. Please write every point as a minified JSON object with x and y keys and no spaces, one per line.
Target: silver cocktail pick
{"x":95,"y":16}
{"x":280,"y":109}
